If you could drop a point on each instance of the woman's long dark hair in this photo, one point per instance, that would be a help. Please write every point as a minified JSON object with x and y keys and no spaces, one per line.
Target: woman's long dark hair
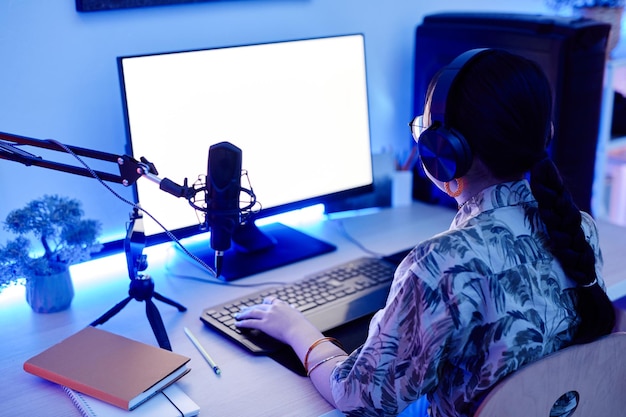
{"x":502,"y":104}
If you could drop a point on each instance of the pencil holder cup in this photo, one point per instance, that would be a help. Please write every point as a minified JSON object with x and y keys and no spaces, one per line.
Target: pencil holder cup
{"x":401,"y":188}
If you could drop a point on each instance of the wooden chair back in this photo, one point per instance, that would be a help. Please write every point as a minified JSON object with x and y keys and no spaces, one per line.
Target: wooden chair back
{"x":594,"y":373}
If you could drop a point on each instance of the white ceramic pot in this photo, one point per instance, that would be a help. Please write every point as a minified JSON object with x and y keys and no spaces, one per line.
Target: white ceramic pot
{"x":50,"y":293}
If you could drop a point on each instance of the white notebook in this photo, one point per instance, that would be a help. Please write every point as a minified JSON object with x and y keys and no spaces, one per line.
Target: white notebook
{"x":171,"y":402}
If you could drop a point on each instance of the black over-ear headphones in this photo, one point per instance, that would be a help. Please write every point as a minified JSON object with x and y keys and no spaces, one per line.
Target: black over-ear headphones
{"x":444,"y":152}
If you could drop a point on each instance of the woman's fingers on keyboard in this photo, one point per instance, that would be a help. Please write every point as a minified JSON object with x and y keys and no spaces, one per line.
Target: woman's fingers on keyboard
{"x":252,"y":312}
{"x":270,"y":300}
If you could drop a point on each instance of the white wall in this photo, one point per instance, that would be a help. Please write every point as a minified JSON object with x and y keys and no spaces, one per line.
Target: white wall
{"x":58,"y":74}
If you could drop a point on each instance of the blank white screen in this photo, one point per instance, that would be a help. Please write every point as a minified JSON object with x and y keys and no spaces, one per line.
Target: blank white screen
{"x":298,"y":110}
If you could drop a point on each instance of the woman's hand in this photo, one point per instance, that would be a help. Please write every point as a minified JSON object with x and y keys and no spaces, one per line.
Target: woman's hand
{"x":277,"y":319}
{"x":281,"y":321}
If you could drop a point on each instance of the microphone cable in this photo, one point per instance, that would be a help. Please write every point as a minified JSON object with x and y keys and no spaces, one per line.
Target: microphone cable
{"x":174,"y":239}
{"x":246,"y":212}
{"x":135,"y":206}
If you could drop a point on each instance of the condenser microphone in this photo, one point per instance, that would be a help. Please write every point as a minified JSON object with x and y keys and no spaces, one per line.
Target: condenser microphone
{"x":223,"y":186}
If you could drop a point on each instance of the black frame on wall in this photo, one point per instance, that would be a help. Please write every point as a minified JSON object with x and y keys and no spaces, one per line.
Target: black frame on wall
{"x":96,"y":5}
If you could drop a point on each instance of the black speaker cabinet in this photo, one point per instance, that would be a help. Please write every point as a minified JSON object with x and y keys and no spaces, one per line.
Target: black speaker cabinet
{"x":571,"y":52}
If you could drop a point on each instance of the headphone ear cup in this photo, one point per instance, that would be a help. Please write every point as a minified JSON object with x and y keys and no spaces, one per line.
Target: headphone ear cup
{"x":444,"y":153}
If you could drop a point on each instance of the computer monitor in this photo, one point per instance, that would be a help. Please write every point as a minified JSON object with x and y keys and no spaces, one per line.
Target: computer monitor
{"x":298,"y":110}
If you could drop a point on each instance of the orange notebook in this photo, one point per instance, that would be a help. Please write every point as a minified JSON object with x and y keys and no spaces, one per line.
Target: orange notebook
{"x":112,"y":368}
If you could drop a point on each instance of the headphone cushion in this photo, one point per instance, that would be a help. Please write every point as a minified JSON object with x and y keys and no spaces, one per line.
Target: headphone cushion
{"x":444,"y":153}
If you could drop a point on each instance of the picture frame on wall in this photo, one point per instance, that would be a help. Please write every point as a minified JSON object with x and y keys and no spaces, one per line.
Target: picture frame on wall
{"x":97,"y":5}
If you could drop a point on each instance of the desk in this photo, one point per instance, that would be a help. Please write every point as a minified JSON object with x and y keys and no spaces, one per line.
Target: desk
{"x":248,"y":386}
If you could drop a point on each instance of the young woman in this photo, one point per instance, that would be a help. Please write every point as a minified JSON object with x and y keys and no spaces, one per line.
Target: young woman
{"x":516,"y":277}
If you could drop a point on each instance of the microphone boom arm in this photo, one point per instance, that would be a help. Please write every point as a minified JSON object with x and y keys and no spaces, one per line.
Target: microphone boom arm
{"x":130,"y":170}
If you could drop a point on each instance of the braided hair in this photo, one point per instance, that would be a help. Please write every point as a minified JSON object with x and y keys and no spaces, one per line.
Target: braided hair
{"x":504,"y":112}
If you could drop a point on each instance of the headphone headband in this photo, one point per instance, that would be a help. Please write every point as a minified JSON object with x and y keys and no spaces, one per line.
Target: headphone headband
{"x":445,"y":81}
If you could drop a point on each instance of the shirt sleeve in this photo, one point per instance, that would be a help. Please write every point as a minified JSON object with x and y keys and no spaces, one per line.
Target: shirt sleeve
{"x":398,"y":362}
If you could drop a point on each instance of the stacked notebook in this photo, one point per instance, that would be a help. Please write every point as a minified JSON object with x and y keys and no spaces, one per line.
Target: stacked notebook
{"x":101,"y":369}
{"x":171,"y":402}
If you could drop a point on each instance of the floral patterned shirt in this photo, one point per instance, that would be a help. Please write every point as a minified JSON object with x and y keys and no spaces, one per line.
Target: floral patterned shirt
{"x":466,"y":308}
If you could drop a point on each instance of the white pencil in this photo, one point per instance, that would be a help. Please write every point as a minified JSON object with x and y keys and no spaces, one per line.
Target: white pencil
{"x":203,"y":352}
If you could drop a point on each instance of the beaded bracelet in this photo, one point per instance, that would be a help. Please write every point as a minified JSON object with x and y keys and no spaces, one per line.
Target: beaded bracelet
{"x":308,"y":373}
{"x":315,"y":344}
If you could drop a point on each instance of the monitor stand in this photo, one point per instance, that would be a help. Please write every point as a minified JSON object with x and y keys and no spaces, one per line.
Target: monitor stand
{"x":261,"y":248}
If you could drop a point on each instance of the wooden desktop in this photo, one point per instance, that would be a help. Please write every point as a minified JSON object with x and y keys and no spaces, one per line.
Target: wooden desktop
{"x":248,"y":385}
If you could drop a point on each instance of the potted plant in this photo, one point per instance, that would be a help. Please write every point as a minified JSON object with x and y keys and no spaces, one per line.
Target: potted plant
{"x":65,"y":239}
{"x":607,"y":11}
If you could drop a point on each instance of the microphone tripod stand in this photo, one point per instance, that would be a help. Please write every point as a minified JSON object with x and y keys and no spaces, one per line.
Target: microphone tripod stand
{"x":141,"y":286}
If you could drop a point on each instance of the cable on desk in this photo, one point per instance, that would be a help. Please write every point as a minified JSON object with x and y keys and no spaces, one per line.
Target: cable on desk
{"x":341,"y":227}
